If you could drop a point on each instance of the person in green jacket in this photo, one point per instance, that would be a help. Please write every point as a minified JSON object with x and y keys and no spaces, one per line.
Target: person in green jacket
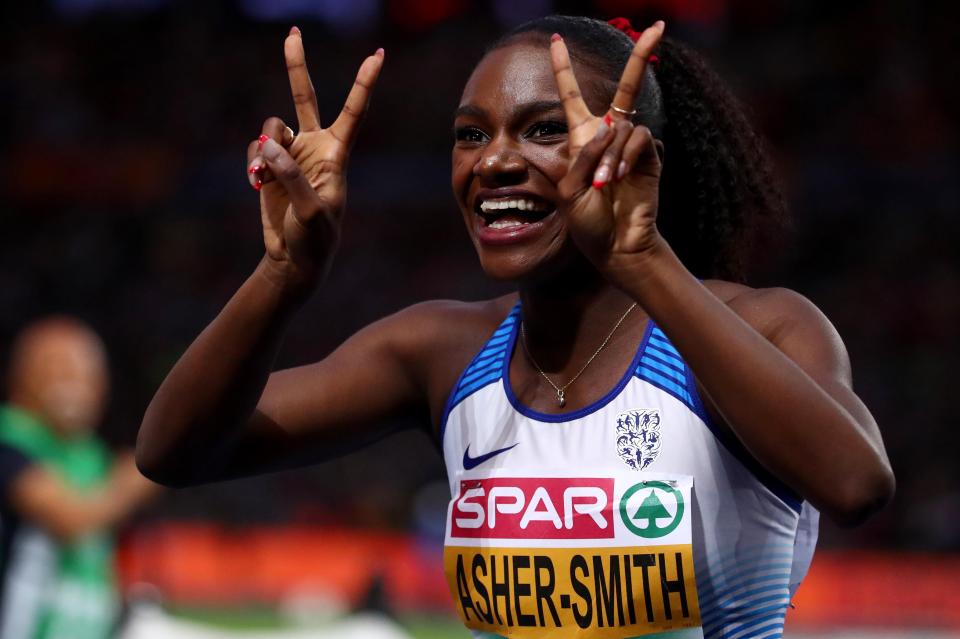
{"x":61,"y":490}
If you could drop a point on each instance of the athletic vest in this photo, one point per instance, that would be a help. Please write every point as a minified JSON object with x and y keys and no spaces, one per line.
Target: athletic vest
{"x":634,"y":516}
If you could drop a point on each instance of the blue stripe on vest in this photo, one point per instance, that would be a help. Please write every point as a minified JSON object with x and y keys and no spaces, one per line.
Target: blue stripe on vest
{"x":485,"y":368}
{"x":660,"y":365}
{"x":672,"y":362}
{"x":663,"y":369}
{"x":665,"y":385}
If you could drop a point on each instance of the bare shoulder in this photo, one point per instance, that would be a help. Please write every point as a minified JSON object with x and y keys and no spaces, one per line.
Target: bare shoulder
{"x":444,"y":324}
{"x":768,"y":309}
{"x":788,"y":319}
{"x":438,"y":338}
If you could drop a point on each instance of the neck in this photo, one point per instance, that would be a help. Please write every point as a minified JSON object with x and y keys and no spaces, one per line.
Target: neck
{"x":27,"y":402}
{"x":571,"y":315}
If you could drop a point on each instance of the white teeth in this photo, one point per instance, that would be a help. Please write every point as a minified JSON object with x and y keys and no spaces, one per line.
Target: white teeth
{"x":521,"y":205}
{"x":505,"y":224}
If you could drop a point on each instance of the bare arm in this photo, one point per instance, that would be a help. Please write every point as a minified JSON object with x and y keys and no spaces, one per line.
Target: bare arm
{"x":772,"y":367}
{"x":776,"y":372}
{"x":41,"y":496}
{"x":220,"y":413}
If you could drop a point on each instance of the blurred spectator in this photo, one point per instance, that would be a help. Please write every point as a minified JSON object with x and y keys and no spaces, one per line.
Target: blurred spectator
{"x":60,"y":493}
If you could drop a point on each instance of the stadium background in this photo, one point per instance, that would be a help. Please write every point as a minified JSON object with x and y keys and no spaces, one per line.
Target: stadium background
{"x":126,"y":203}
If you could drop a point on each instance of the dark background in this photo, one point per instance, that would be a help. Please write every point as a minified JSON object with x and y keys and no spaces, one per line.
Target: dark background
{"x":125,"y":202}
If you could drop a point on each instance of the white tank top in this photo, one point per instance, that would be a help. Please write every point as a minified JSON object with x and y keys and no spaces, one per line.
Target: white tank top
{"x":586,"y":523}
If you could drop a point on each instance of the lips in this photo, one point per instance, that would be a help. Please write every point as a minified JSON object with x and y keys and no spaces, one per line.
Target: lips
{"x":506,"y":216}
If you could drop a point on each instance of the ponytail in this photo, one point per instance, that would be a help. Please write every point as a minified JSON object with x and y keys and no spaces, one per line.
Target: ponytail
{"x":717,"y":188}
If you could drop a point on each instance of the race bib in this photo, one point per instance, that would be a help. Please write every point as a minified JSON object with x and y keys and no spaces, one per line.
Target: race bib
{"x":604,"y":557}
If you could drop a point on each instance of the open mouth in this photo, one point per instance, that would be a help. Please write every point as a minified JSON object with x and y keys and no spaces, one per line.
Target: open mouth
{"x":512,"y":211}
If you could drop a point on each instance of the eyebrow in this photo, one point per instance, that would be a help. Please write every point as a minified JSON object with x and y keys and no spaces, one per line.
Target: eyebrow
{"x":522,"y":111}
{"x":469,"y":109}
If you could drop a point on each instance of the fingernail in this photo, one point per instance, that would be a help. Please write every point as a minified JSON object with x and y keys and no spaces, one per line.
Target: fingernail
{"x":608,"y":120}
{"x":597,"y":184}
{"x":602,"y":130}
{"x":379,"y":52}
{"x":602,"y":175}
{"x":660,"y":24}
{"x":256,"y":168}
{"x":555,"y":37}
{"x":295,"y":30}
{"x":621,"y":170}
{"x":271,"y":150}
{"x":257,"y":185}
{"x":261,"y":140}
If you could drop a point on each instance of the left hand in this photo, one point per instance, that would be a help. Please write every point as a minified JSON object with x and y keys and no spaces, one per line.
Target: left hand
{"x":609,"y":194}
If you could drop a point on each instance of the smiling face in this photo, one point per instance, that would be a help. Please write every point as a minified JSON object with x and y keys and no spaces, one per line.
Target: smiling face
{"x":510,"y":153}
{"x":59,"y":373}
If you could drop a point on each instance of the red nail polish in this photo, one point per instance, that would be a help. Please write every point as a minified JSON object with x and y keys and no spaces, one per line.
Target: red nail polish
{"x":597,"y":184}
{"x":257,"y":185}
{"x":261,"y":140}
{"x":254,"y":169}
{"x":555,"y":37}
{"x":608,"y":120}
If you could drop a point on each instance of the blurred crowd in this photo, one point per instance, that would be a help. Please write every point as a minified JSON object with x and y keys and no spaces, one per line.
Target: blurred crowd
{"x":126,"y":203}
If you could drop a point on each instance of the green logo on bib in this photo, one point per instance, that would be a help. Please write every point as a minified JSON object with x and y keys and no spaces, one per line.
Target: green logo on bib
{"x":646,"y":518}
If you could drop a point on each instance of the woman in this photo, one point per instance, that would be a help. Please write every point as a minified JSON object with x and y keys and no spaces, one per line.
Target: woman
{"x":631,"y":449}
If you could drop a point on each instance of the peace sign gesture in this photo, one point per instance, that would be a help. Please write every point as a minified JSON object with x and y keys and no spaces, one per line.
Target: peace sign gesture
{"x":609,"y":194}
{"x":301,"y":176}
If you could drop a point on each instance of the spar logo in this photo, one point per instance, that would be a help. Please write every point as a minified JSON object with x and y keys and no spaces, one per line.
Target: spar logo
{"x":651,"y":509}
{"x":534,"y":508}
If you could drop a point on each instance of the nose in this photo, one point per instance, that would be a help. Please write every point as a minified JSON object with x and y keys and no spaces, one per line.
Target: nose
{"x":501,"y":163}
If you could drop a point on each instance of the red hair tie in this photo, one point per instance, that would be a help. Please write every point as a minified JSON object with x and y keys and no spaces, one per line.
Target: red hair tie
{"x":622,"y":24}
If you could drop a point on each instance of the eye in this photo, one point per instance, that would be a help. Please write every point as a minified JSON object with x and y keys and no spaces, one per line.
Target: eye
{"x":548,"y":129}
{"x":469,"y":135}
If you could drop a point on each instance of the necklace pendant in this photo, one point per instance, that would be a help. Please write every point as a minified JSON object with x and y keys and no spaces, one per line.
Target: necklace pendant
{"x":561,"y":399}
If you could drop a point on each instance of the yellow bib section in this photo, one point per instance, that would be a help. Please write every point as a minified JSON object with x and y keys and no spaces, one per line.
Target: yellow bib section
{"x":602,"y":593}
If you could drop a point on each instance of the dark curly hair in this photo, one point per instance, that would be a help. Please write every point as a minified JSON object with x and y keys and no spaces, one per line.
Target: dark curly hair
{"x":717,"y":190}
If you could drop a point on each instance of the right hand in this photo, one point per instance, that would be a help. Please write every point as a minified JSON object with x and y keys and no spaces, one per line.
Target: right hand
{"x":301,"y":177}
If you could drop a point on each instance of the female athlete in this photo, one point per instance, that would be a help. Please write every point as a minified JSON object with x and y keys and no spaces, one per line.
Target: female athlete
{"x":636,"y":442}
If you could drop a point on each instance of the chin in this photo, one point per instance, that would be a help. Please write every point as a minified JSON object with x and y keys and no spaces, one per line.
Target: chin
{"x":72,"y":423}
{"x":514,"y":269}
{"x":531,"y":266}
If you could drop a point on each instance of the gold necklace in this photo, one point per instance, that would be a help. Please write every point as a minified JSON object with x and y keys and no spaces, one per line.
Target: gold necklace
{"x":561,"y":397}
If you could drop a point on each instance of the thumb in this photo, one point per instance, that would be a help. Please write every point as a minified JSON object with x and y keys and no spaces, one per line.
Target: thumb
{"x":306,"y":202}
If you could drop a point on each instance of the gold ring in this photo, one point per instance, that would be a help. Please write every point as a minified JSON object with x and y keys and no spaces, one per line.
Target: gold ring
{"x":623,"y":111}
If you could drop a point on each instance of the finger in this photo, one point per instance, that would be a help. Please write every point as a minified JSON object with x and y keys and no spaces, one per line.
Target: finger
{"x":257,"y":171}
{"x":640,"y":153}
{"x":347,"y":123}
{"x":632,"y":76}
{"x":576,"y":110}
{"x":304,"y":199}
{"x":581,"y":173}
{"x":254,"y":160}
{"x":611,"y":156}
{"x":304,"y":97}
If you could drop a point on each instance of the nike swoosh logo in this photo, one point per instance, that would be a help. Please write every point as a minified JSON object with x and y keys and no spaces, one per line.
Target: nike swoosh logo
{"x":472,"y":462}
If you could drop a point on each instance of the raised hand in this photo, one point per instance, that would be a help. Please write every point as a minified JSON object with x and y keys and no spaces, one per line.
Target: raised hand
{"x":301,"y":176}
{"x":609,"y":194}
